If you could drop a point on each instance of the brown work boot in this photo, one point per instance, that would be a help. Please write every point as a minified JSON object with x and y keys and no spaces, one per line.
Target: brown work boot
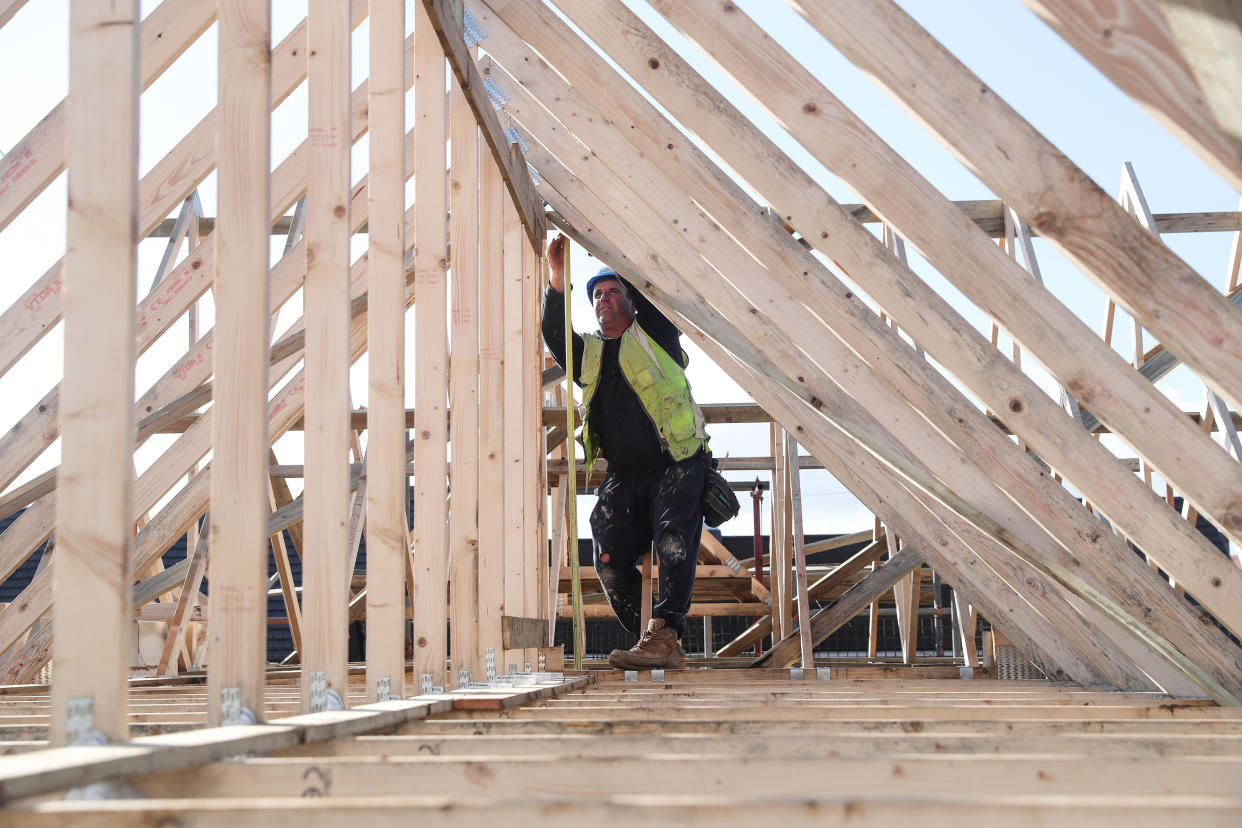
{"x":657,"y":649}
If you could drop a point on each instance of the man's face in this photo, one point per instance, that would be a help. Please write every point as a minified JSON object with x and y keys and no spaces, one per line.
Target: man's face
{"x":613,"y":308}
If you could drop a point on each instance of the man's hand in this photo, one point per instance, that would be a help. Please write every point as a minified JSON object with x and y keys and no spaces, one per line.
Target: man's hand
{"x":556,"y":263}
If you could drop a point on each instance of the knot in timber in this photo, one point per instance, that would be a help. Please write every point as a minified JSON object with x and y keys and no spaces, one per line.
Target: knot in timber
{"x":1045,"y":221}
{"x":654,"y":63}
{"x":1232,"y":516}
{"x":1016,"y":406}
{"x":1083,"y":389}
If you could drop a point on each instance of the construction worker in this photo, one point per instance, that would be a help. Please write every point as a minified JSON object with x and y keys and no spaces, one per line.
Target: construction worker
{"x":643,"y":421}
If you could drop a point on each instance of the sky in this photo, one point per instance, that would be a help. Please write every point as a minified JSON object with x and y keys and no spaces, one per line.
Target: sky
{"x":1043,"y":78}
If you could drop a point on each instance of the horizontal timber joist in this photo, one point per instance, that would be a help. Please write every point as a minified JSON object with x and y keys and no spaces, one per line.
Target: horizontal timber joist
{"x":564,"y":811}
{"x":554,"y":416}
{"x":806,"y":745}
{"x":51,"y":770}
{"x":989,"y":214}
{"x":778,"y":776}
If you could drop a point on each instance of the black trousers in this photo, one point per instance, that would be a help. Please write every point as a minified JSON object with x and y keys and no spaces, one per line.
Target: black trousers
{"x":661,"y":506}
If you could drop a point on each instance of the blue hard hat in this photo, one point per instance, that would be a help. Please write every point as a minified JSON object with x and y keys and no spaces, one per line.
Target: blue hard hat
{"x":603,"y":274}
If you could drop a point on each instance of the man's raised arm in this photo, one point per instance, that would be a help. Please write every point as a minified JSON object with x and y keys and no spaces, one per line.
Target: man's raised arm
{"x":553,"y":322}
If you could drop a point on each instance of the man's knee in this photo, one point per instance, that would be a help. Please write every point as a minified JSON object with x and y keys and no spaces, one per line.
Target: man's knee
{"x":671,"y":549}
{"x":607,"y":578}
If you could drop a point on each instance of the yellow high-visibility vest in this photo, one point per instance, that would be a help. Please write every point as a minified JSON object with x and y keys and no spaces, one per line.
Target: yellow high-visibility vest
{"x":660,"y":384}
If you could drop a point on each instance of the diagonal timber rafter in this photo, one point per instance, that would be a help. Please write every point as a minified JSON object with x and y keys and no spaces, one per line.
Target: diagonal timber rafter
{"x":39,"y":157}
{"x":1134,"y":46}
{"x":1045,"y":187}
{"x":848,"y":461}
{"x":446,"y":17}
{"x":1209,"y":33}
{"x":843,"y":445}
{"x":1018,"y":531}
{"x":768,"y":346}
{"x":852,"y":465}
{"x":1176,"y":447}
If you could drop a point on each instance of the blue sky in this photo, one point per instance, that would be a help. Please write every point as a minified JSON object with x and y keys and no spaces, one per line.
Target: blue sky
{"x":1008,"y":47}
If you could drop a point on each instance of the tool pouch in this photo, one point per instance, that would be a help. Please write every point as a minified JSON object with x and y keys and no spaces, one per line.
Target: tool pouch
{"x":719,"y":501}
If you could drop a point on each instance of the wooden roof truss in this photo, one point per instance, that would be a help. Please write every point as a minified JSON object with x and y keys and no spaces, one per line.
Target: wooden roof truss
{"x":732,"y":251}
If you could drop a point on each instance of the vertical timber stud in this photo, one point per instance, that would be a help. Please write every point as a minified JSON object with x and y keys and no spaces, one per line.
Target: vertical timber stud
{"x":799,"y":550}
{"x":431,"y":355}
{"x":97,"y":422}
{"x":912,"y":586}
{"x":873,"y":612}
{"x":571,"y":502}
{"x":463,"y":388}
{"x":386,"y":529}
{"x":535,"y":486}
{"x":776,"y":516}
{"x":237,"y":634}
{"x":515,"y":425}
{"x":324,"y":579}
{"x":787,"y":553}
{"x":491,"y":406}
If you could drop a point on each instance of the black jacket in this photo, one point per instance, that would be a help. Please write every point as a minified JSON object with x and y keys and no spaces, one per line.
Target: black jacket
{"x":628,"y":439}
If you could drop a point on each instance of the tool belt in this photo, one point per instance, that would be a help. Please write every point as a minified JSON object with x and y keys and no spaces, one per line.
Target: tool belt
{"x":719,"y":501}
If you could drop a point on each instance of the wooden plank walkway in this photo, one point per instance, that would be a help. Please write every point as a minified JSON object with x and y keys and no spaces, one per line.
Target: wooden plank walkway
{"x":725,"y":747}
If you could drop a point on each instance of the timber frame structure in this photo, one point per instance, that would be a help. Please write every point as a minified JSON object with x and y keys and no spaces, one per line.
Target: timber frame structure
{"x":1014,"y":501}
